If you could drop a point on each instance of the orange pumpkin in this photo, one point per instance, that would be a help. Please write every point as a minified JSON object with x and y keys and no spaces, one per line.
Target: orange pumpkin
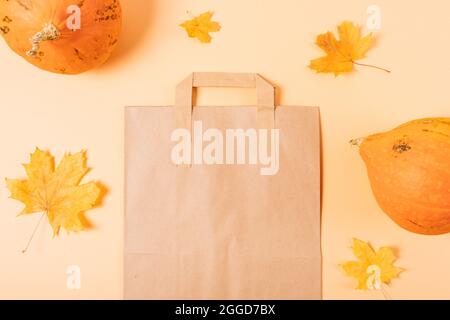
{"x":62,"y":36}
{"x":409,"y":171}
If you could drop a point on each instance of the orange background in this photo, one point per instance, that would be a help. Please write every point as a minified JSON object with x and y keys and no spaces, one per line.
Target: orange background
{"x":273,"y":38}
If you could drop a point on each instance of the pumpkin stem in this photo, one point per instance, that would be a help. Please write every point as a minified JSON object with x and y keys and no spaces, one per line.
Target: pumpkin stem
{"x":357,"y":142}
{"x":49,"y":32}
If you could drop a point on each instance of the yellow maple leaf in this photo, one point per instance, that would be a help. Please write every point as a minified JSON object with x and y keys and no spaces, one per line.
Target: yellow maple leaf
{"x":56,"y":192}
{"x":373,"y":268}
{"x":343,"y":53}
{"x":200,"y":27}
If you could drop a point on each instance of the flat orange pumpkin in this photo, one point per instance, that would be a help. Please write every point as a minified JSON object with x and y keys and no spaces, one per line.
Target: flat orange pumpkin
{"x":409,"y":171}
{"x":62,"y":36}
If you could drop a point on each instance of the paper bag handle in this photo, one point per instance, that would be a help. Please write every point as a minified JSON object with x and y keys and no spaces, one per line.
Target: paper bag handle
{"x":265,"y":92}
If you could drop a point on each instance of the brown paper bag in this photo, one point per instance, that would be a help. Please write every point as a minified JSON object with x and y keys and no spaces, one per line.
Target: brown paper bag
{"x":216,"y":206}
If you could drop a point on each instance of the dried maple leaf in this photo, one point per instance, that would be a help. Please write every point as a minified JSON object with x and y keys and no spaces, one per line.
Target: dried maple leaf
{"x":343,"y":53}
{"x":56,"y":192}
{"x":373,"y":268}
{"x":200,"y":27}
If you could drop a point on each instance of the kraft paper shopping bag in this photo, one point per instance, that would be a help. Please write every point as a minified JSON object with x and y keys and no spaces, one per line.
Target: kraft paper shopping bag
{"x":222,"y":202}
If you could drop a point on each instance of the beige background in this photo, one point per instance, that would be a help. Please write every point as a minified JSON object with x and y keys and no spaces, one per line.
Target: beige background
{"x":274,"y":38}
